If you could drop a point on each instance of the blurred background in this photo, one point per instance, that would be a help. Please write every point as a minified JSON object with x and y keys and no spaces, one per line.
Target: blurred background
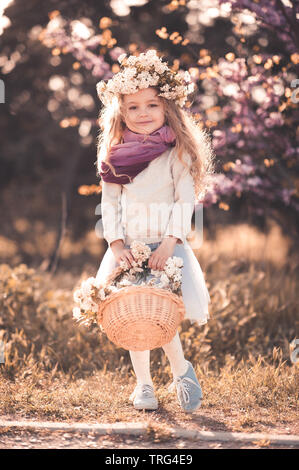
{"x":244,"y":58}
{"x":244,"y":62}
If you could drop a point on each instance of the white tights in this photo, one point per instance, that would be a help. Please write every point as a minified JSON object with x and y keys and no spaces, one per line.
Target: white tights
{"x":174,"y":352}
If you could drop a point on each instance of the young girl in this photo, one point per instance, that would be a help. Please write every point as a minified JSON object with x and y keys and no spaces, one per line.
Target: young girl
{"x":152,"y":159}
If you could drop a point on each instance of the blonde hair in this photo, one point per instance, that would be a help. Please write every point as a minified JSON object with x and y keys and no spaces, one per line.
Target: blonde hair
{"x":190,"y":139}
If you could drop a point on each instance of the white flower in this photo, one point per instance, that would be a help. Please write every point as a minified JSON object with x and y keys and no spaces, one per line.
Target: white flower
{"x":140,"y":251}
{"x":86,"y":304}
{"x":123,"y":264}
{"x":113,"y":289}
{"x":77,"y":313}
{"x":178,"y":261}
{"x":97,"y":283}
{"x":132,"y":60}
{"x":124,"y":282}
{"x":190,"y":88}
{"x":94,"y":307}
{"x":187,"y":76}
{"x":102,"y":294}
{"x":152,"y":70}
{"x":170,"y":270}
{"x":165,"y":87}
{"x":87,"y":286}
{"x":177,"y":277}
{"x":164,"y":279}
{"x":170,"y":267}
{"x":77,"y":295}
{"x":130,"y":73}
{"x":155,"y":273}
{"x":121,"y":58}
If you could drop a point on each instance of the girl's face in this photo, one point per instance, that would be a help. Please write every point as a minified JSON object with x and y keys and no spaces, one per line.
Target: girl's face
{"x":143,"y":111}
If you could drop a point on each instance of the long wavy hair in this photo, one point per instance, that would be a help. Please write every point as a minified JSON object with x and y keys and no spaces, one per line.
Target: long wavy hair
{"x":191,"y":138}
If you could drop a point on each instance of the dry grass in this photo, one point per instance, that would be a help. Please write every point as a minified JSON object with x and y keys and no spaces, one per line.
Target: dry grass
{"x":56,"y":370}
{"x":249,"y":397}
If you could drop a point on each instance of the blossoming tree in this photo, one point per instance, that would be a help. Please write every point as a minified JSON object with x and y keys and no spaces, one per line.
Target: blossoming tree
{"x":254,"y":107}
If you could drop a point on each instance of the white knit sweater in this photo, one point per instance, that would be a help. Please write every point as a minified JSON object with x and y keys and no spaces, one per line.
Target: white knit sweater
{"x":159,"y":202}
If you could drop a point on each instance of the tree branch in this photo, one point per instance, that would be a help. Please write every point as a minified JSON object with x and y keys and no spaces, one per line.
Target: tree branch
{"x":67,"y":181}
{"x":291,"y":23}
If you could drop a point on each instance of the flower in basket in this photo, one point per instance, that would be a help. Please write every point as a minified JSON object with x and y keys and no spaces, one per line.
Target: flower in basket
{"x":91,"y":293}
{"x":87,"y":297}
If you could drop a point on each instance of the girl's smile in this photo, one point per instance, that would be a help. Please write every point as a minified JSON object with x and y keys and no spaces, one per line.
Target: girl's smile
{"x":143,"y":111}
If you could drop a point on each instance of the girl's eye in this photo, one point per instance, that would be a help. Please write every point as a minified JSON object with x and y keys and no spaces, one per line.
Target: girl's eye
{"x":134,"y":107}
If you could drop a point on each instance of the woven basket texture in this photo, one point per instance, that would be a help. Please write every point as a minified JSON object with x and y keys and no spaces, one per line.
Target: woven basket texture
{"x":139,"y":318}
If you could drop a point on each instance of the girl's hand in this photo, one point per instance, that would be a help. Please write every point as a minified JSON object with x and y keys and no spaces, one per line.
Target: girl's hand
{"x":159,"y":257}
{"x":121,"y":253}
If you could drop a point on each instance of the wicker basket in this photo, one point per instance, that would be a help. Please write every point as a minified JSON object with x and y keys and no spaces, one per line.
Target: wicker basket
{"x":138,"y":318}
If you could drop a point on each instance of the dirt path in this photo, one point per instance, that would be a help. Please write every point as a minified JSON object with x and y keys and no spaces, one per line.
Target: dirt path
{"x":40,"y":435}
{"x":28,"y":439}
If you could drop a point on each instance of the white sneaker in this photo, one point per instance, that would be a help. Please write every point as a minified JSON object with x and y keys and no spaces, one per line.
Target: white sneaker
{"x":144,"y":398}
{"x":188,"y":390}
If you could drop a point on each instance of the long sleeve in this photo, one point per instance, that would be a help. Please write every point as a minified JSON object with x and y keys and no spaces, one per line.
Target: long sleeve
{"x":179,"y":224}
{"x":111,"y":212}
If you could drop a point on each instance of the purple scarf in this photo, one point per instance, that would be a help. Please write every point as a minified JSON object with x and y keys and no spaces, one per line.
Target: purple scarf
{"x":135,"y":153}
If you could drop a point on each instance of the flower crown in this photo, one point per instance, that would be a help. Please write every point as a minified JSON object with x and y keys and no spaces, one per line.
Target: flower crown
{"x":143,"y":71}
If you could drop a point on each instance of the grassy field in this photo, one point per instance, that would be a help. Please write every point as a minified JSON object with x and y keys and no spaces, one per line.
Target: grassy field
{"x":56,"y":370}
